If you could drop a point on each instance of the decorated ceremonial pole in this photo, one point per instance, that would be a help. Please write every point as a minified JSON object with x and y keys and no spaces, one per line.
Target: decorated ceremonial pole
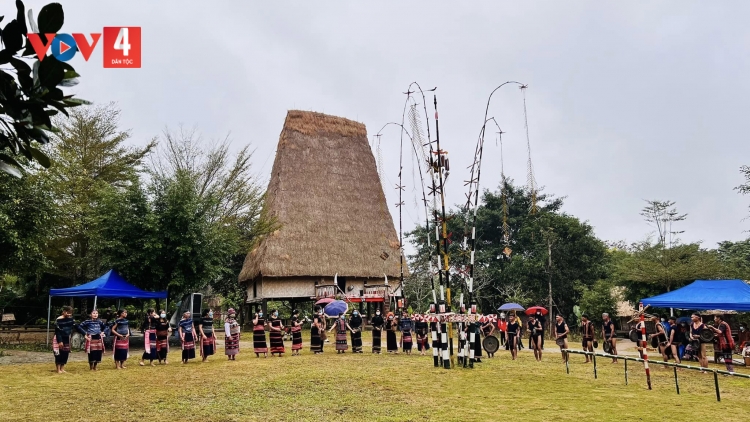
{"x":644,"y":343}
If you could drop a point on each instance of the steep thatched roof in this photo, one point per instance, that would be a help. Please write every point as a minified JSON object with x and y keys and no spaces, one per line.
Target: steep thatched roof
{"x":326,"y":194}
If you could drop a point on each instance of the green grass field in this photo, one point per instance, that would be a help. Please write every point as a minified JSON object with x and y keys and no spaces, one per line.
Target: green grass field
{"x":349,"y":387}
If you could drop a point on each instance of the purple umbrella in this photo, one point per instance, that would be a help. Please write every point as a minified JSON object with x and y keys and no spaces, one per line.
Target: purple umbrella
{"x":335,"y":308}
{"x":511,"y":307}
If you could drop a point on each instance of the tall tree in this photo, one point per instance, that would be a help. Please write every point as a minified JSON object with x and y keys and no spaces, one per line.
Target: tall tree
{"x":90,"y":156}
{"x":735,"y":256}
{"x":662,"y":215}
{"x":745,"y":187}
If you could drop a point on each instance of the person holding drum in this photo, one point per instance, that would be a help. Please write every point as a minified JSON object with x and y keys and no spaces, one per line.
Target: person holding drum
{"x":487,"y":329}
{"x":512,"y":335}
{"x":609,"y":337}
{"x":561,"y":335}
{"x":696,"y":327}
{"x":535,"y":335}
{"x":661,"y":338}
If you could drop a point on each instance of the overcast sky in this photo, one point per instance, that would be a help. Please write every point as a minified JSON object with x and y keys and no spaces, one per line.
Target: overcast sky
{"x":626,"y":102}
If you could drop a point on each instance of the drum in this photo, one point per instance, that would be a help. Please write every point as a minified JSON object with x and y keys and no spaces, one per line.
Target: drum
{"x":654,"y":342}
{"x":707,"y":336}
{"x":560,"y":342}
{"x":491,"y":344}
{"x":607,"y":346}
{"x":633,"y":335}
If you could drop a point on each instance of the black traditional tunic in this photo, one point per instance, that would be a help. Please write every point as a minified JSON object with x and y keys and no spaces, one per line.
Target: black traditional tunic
{"x":149,"y":333}
{"x":406,"y":339}
{"x":259,"y":337}
{"x":391,"y":343}
{"x":296,"y":334}
{"x":188,"y":344}
{"x":208,"y":342}
{"x":276,"y":338}
{"x":355,"y":323}
{"x":316,"y":344}
{"x":377,"y":332}
{"x":161,"y":326}
{"x":61,"y":341}
{"x":95,"y":346}
{"x":420,"y":327}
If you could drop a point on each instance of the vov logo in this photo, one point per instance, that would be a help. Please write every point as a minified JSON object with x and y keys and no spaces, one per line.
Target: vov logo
{"x":122,"y":46}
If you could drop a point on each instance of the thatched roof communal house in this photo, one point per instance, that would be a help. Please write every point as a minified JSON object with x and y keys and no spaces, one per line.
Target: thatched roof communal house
{"x":326,"y":196}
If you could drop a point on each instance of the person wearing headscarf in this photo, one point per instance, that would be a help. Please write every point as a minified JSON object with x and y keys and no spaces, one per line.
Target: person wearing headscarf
{"x":276,"y":333}
{"x":149,"y":337}
{"x":121,"y":332}
{"x":405,"y":325}
{"x":318,"y":326}
{"x":64,"y":325}
{"x":377,"y":331}
{"x":92,"y":328}
{"x":231,"y":335}
{"x":421,"y":328}
{"x":296,"y":333}
{"x":355,"y":323}
{"x":162,"y":330}
{"x":341,"y":328}
{"x":208,"y":338}
{"x":259,"y":335}
{"x":187,"y":335}
{"x":391,"y":325}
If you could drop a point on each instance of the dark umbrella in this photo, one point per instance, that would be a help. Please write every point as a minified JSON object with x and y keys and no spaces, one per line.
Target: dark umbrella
{"x":685,"y":319}
{"x":335,"y":308}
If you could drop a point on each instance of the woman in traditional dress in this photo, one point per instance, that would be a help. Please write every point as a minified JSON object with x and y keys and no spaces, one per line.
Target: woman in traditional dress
{"x":161,"y":342}
{"x":355,"y":323}
{"x":341,"y":327}
{"x":512,"y":335}
{"x":64,"y":325}
{"x":121,"y":331}
{"x":208,"y":338}
{"x":149,"y":337}
{"x":405,"y":325}
{"x":318,"y":325}
{"x":296,"y":333}
{"x":231,"y":335}
{"x":92,"y":329}
{"x":276,"y":334}
{"x":259,"y":335}
{"x":187,"y":334}
{"x":391,"y":325}
{"x":420,"y":328}
{"x":377,"y":331}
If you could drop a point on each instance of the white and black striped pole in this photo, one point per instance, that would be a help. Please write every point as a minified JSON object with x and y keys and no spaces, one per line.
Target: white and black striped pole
{"x":644,"y":344}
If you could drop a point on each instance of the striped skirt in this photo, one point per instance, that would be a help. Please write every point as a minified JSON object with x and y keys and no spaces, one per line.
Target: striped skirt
{"x":277,"y":342}
{"x":357,"y":340}
{"x":316,"y":344}
{"x":296,"y":338}
{"x":162,"y":348}
{"x":208,"y":345}
{"x":376,"y":335}
{"x":406,"y":340}
{"x":150,"y":352}
{"x":188,"y":347}
{"x":121,"y":349}
{"x":61,"y":350}
{"x":341,"y":340}
{"x":95,"y":348}
{"x":232,"y":345}
{"x":259,"y":339}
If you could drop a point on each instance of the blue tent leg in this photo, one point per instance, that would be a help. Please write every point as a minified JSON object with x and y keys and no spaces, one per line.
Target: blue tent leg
{"x":49,"y":312}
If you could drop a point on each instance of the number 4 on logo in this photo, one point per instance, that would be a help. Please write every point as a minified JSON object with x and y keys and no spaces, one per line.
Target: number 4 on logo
{"x":122,"y":47}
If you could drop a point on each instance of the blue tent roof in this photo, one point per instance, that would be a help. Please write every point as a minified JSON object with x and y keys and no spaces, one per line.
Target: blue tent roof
{"x":110,"y":285}
{"x":728,"y":295}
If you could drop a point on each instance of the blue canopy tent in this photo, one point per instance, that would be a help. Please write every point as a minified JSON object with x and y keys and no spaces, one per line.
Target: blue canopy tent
{"x":727,"y":295}
{"x":110,"y":285}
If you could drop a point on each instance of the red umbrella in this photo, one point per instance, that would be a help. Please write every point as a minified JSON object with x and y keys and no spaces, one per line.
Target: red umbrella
{"x":535,"y":309}
{"x":325,"y":301}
